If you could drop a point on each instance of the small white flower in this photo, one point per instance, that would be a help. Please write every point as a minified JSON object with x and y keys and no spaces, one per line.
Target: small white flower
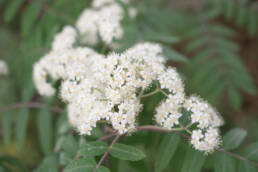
{"x":132,"y":12}
{"x":104,"y":20}
{"x":64,"y":39}
{"x":202,"y":113}
{"x":3,"y":68}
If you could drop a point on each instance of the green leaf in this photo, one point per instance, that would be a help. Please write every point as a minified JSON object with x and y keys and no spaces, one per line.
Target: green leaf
{"x":64,"y":158}
{"x":69,"y":145}
{"x":29,"y":17}
{"x":11,"y":9}
{"x":193,"y":161}
{"x":3,"y":168}
{"x":197,"y":43}
{"x":160,"y":37}
{"x":245,"y":166}
{"x":166,"y":151}
{"x":45,"y":130}
{"x":81,"y":165}
{"x":224,"y":163}
{"x":28,"y":91}
{"x":173,"y":55}
{"x":63,"y":126}
{"x":1,"y":1}
{"x":102,"y":169}
{"x":50,"y":164}
{"x":233,"y":138}
{"x":13,"y":162}
{"x":212,"y":13}
{"x":235,"y":98}
{"x":229,"y":9}
{"x":7,"y":125}
{"x":251,"y":152}
{"x":225,"y":43}
{"x":93,"y":149}
{"x":82,"y":141}
{"x":125,"y":152}
{"x":21,"y":122}
{"x":222,"y":30}
{"x":241,"y":14}
{"x":253,"y":21}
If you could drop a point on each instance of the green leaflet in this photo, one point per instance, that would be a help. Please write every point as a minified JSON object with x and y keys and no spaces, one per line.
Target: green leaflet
{"x":92,"y":149}
{"x":235,"y":98}
{"x":245,"y":166}
{"x":173,"y":55}
{"x":102,"y":169}
{"x":22,"y":119}
{"x":193,"y":161}
{"x":252,"y":21}
{"x":151,"y":35}
{"x":49,"y":164}
{"x":69,"y":145}
{"x":12,"y":162}
{"x":251,"y":152}
{"x":125,"y":152}
{"x":229,"y":9}
{"x":196,"y":44}
{"x":64,"y":158}
{"x":29,"y":17}
{"x":84,"y":165}
{"x":11,"y":9}
{"x":224,"y":163}
{"x":241,"y":14}
{"x":81,"y":165}
{"x":233,"y":138}
{"x":7,"y":124}
{"x":166,"y":151}
{"x":45,"y":130}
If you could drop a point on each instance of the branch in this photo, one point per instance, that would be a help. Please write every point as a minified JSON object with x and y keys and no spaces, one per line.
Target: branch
{"x":31,"y":105}
{"x":163,"y":130}
{"x":107,"y":152}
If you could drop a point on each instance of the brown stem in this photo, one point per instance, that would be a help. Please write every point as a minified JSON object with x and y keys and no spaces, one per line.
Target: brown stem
{"x":232,"y":154}
{"x":158,"y":129}
{"x":31,"y":105}
{"x":106,"y":153}
{"x":236,"y":156}
{"x":152,"y":128}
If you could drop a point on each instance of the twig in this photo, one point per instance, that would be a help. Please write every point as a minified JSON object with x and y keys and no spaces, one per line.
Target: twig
{"x":231,"y":153}
{"x":106,"y":153}
{"x":149,"y":94}
{"x":236,"y":156}
{"x":106,"y":131}
{"x":163,"y":92}
{"x":107,"y":137}
{"x":154,"y":128}
{"x":31,"y":105}
{"x":158,"y":129}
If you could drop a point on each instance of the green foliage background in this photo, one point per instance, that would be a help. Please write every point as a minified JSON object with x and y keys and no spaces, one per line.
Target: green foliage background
{"x":200,"y":38}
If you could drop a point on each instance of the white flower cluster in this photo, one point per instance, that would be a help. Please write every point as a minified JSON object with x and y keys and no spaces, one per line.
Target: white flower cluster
{"x":3,"y":68}
{"x":105,"y":88}
{"x":169,"y":111}
{"x":202,"y":113}
{"x":98,"y":87}
{"x":103,"y":19}
{"x":109,"y":93}
{"x":64,"y":39}
{"x":206,"y":137}
{"x":54,"y":63}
